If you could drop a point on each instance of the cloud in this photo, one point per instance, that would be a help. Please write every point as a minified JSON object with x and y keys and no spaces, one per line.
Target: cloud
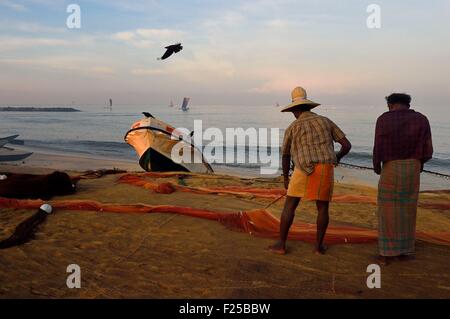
{"x":225,"y":19}
{"x":13,"y":43}
{"x":278,"y":23}
{"x":101,"y":70}
{"x":83,"y":66}
{"x":283,"y":80}
{"x":132,"y":6}
{"x":148,"y":71}
{"x":29,"y":27}
{"x":12,"y":5}
{"x":201,"y":68}
{"x":145,"y":38}
{"x":125,"y":36}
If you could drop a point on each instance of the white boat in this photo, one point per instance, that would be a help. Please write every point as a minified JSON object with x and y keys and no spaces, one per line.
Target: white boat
{"x":152,"y":140}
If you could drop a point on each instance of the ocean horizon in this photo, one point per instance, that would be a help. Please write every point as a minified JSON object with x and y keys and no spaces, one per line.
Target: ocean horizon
{"x":98,"y":131}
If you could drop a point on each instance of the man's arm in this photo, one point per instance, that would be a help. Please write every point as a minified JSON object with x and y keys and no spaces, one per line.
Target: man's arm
{"x":428,"y":144}
{"x":376,"y":149}
{"x":286,"y":158}
{"x":346,"y":146}
{"x":339,"y":137}
{"x":286,"y":165}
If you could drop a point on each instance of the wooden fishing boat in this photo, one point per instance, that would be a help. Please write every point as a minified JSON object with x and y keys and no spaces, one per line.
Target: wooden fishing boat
{"x":8,"y":155}
{"x":8,"y":139}
{"x":154,"y":140}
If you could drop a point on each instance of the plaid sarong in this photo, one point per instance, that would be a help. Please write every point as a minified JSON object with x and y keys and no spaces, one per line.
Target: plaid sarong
{"x":398,"y":192}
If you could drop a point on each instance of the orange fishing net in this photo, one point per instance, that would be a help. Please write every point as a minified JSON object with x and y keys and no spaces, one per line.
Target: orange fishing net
{"x":255,"y":222}
{"x":268,"y":193}
{"x":168,"y":188}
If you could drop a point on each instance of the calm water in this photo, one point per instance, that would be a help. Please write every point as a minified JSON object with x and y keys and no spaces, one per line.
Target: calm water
{"x":98,"y":131}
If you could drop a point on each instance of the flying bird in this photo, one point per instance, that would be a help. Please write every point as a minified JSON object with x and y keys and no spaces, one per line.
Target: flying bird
{"x":171,"y":49}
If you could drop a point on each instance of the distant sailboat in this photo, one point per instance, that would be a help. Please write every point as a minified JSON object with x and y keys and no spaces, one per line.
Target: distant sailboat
{"x":171,"y":104}
{"x":278,"y":104}
{"x":184,"y":106}
{"x":109,"y":104}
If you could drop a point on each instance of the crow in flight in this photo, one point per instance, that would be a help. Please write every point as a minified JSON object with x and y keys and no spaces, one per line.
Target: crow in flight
{"x":171,"y":49}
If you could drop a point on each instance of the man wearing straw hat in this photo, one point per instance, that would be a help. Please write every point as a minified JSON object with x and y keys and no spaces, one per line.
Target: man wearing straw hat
{"x":308,"y":142}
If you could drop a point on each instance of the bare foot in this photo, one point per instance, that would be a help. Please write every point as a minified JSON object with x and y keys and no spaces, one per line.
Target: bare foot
{"x":321,"y":250}
{"x":278,"y":248}
{"x":406,"y":257}
{"x":383,"y":260}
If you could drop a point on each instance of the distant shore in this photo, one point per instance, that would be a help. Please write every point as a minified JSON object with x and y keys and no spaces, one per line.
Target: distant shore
{"x":38,"y":109}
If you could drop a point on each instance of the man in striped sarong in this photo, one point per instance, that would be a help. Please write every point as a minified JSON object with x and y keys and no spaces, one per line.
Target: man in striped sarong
{"x":309,"y":142}
{"x":402,"y":146}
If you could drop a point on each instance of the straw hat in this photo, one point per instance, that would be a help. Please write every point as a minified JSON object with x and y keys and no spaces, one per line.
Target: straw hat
{"x":299,"y":98}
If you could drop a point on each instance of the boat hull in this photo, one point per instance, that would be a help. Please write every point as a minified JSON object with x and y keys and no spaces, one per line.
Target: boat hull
{"x":14,"y":157}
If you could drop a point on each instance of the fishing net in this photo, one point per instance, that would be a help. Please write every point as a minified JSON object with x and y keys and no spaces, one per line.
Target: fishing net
{"x":140,"y":180}
{"x":258,"y":222}
{"x":168,"y":188}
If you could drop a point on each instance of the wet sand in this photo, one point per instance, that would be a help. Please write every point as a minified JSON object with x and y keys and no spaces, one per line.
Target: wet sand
{"x":172,"y":256}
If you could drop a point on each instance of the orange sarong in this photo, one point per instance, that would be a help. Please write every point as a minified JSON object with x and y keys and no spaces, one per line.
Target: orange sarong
{"x":316,"y":186}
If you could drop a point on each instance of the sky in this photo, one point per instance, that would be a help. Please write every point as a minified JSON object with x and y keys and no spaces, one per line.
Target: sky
{"x":235,"y":52}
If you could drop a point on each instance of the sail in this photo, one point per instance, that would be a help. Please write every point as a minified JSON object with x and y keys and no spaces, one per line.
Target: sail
{"x":184,"y":107}
{"x":171,"y":104}
{"x":110,"y":102}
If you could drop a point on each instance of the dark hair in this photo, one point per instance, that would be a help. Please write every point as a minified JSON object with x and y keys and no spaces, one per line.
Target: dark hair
{"x":303,"y":107}
{"x":399,"y":98}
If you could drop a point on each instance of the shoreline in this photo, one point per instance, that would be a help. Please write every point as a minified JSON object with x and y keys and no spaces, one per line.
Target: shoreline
{"x":43,"y":162}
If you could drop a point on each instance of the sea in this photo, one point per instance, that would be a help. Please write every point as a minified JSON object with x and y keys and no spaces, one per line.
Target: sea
{"x":98,"y":131}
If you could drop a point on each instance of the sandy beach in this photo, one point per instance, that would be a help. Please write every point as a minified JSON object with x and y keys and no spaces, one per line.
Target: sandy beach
{"x":162,"y":255}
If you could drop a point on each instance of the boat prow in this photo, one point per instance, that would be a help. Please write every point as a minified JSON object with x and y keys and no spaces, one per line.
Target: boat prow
{"x":8,"y":139}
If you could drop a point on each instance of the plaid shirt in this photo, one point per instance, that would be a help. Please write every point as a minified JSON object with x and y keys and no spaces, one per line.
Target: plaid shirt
{"x":309,"y":141}
{"x":402,"y":134}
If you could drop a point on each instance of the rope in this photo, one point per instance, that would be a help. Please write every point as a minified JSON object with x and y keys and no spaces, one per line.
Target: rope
{"x":370,"y":168}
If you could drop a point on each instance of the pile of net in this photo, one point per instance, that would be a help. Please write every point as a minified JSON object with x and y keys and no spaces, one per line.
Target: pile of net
{"x":141,"y":180}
